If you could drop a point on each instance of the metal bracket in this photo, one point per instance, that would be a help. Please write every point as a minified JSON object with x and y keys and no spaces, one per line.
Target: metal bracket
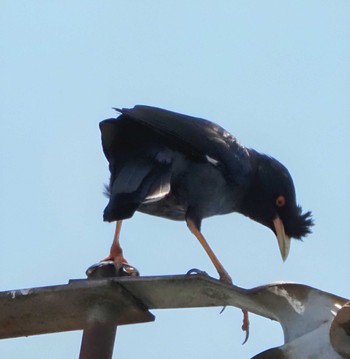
{"x":306,"y":314}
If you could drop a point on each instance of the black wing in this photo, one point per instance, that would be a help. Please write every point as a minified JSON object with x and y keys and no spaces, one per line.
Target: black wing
{"x":195,"y":137}
{"x":139,"y":164}
{"x":140,"y":146}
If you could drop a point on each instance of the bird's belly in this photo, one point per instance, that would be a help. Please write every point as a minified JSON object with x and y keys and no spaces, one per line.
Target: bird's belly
{"x":168,"y":207}
{"x":203,"y":189}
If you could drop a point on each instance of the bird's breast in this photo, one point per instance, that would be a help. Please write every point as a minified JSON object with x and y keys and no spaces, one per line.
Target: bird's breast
{"x":199,"y":186}
{"x":168,"y":207}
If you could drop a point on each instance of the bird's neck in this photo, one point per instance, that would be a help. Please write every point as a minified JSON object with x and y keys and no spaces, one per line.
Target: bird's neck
{"x":252,"y":200}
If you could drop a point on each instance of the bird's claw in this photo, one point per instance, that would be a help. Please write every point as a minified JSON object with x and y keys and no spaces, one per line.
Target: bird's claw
{"x":109,"y":268}
{"x":125,"y":269}
{"x":245,"y":325}
{"x":197,"y":271}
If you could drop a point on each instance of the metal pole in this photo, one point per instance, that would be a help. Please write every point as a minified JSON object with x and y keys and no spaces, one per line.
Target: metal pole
{"x":99,"y":334}
{"x":98,"y":341}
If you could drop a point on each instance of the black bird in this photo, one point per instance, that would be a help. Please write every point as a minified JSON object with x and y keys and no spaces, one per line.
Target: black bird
{"x":185,"y":168}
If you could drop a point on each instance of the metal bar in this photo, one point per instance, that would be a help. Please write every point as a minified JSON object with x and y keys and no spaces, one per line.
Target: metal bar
{"x":99,"y":334}
{"x":98,"y":341}
{"x":307,"y":315}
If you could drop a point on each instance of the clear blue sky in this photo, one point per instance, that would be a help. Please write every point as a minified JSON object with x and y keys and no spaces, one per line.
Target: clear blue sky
{"x":274,"y":73}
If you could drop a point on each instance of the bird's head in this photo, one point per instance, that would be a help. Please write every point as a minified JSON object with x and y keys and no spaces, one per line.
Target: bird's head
{"x":271,"y":201}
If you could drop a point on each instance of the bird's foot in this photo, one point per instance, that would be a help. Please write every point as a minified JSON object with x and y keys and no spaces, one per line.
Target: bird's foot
{"x":114,"y":257}
{"x":107,"y":269}
{"x":126,"y":269}
{"x":122,"y":267}
{"x":197,"y":271}
{"x":225,"y":277}
{"x":245,"y":325}
{"x":222,"y":310}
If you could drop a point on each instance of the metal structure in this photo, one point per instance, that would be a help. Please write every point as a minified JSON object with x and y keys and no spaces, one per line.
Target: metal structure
{"x":316,"y":324}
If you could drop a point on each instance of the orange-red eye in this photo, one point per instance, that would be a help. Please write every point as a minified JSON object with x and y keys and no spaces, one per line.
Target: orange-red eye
{"x":280,"y":201}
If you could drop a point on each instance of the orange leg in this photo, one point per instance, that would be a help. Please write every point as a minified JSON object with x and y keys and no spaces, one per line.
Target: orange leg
{"x":224,"y":276}
{"x":116,"y":252}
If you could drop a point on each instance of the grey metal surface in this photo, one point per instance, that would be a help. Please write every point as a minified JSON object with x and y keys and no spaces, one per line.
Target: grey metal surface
{"x":67,"y":307}
{"x":340,"y":331}
{"x":99,"y":330}
{"x":305,"y":313}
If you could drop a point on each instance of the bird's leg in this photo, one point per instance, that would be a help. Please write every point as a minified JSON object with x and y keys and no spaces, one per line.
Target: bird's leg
{"x":224,"y":276}
{"x":116,"y":252}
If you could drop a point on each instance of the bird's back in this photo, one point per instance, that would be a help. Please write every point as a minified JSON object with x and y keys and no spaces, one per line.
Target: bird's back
{"x":160,"y":162}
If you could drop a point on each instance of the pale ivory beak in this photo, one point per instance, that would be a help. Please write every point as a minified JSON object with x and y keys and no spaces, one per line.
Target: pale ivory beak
{"x":282,"y":238}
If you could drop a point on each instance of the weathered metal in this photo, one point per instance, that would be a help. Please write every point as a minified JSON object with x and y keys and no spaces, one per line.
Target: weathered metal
{"x":102,"y":319}
{"x":306,"y":314}
{"x":67,"y":307}
{"x":340,"y":331}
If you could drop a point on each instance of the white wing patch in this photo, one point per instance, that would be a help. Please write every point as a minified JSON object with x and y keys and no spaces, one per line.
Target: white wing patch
{"x":159,"y":189}
{"x":211,"y":160}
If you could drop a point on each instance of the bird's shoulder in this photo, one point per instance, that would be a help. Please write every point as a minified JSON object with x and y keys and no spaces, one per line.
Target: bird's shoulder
{"x":193,"y":136}
{"x":196,"y":131}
